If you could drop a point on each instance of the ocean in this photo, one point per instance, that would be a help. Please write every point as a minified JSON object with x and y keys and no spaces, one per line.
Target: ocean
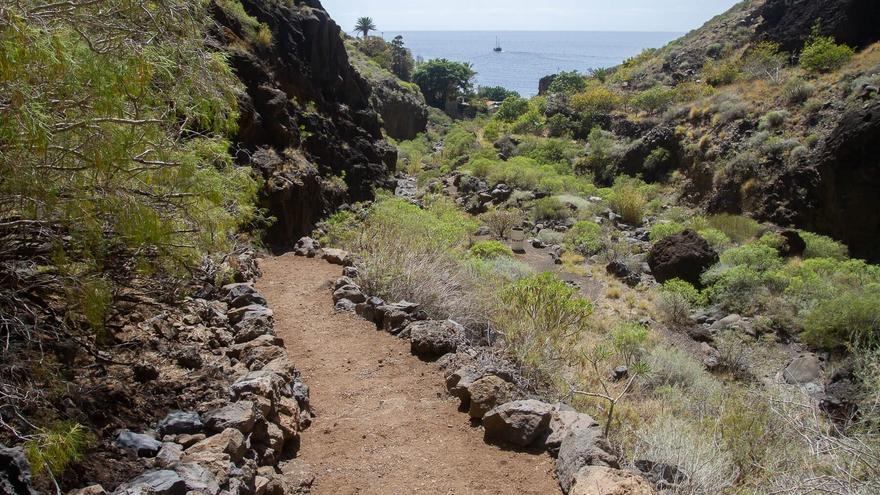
{"x":528,"y":56}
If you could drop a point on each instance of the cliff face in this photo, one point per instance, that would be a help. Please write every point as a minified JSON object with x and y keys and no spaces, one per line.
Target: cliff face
{"x":789,"y":22}
{"x":306,"y":116}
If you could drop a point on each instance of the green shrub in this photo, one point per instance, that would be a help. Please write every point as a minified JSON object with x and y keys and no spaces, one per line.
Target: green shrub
{"x":717,"y":239}
{"x":741,"y":289}
{"x":551,"y":209}
{"x":721,"y":72}
{"x":559,"y":125}
{"x":51,"y":450}
{"x":849,"y":319}
{"x":677,"y":299}
{"x":690,"y":293}
{"x":490,"y":249}
{"x":629,"y":202}
{"x":656,"y":160}
{"x":567,"y":82}
{"x":595,"y":99}
{"x":512,"y":108}
{"x":628,"y":339}
{"x":820,"y":246}
{"x":496,"y":93}
{"x":654,"y":100}
{"x":459,"y":142}
{"x":542,"y":319}
{"x":665,"y":229}
{"x":736,"y":227}
{"x":823,"y":54}
{"x":772,"y":120}
{"x":530,"y":122}
{"x":757,"y":257}
{"x":584,"y":237}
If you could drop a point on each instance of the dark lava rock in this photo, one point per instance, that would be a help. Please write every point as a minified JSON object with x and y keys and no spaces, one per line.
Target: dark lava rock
{"x":144,"y":372}
{"x":621,"y":271}
{"x":179,"y":422}
{"x":433,"y":338}
{"x":585,"y":447}
{"x":140,"y":444}
{"x":520,"y":422}
{"x":15,"y":472}
{"x":685,"y":256}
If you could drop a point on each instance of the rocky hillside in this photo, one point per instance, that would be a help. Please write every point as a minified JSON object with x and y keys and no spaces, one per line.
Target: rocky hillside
{"x":778,"y":142}
{"x":307,"y":122}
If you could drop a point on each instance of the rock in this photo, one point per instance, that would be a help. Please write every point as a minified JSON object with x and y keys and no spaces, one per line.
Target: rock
{"x":188,"y":358}
{"x":144,"y":372}
{"x":621,"y":271}
{"x":458,"y":383}
{"x":345,"y":305}
{"x":244,"y":294}
{"x":229,"y":441}
{"x":169,"y":455}
{"x":351,"y":292}
{"x":187,"y":440}
{"x":350,"y":272}
{"x":487,"y":393}
{"x":393,"y":320}
{"x":177,"y":422}
{"x":306,"y":246}
{"x":842,"y":394}
{"x":336,"y":256}
{"x":701,"y":334}
{"x":433,"y":338}
{"x":239,"y":415}
{"x":620,"y":372}
{"x":793,"y":245}
{"x":252,"y":326}
{"x":519,"y":422}
{"x":564,"y":423}
{"x":803,"y":369}
{"x":685,"y":256}
{"x":198,"y":479}
{"x":260,"y":383}
{"x":600,"y":480}
{"x":138,"y":443}
{"x":251,"y":311}
{"x":88,"y":490}
{"x":158,"y":482}
{"x":583,"y":448}
{"x":15,"y":472}
{"x":342,"y":282}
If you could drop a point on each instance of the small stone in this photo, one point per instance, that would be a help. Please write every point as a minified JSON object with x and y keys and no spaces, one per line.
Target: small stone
{"x":138,"y":443}
{"x":177,"y":422}
{"x":518,"y":422}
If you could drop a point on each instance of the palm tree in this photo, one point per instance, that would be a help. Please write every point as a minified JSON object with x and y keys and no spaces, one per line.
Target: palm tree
{"x":365,"y":25}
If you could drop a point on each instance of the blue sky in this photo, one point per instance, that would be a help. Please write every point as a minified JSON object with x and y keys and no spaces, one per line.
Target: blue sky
{"x":529,"y":15}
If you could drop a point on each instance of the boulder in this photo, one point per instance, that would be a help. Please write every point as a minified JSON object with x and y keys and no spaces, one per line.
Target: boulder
{"x":487,"y":393}
{"x":138,"y":443}
{"x":793,"y":244}
{"x":250,"y":311}
{"x":582,"y":448}
{"x":229,"y":441}
{"x":458,"y":383}
{"x":803,"y":369}
{"x":336,"y":256}
{"x":350,"y":271}
{"x":306,"y":246}
{"x":685,"y":255}
{"x":198,"y":479}
{"x":169,"y":455}
{"x":343,"y":281}
{"x":345,"y":305}
{"x":239,"y":415}
{"x":261,"y":383}
{"x":158,"y":482}
{"x":351,"y":292}
{"x":252,"y":326}
{"x":622,"y":272}
{"x":600,"y":480}
{"x":178,"y":422}
{"x":565,"y":422}
{"x":433,"y":338}
{"x":662,"y":475}
{"x":15,"y":472}
{"x":243,"y":294}
{"x":519,"y":422}
{"x":393,"y":320}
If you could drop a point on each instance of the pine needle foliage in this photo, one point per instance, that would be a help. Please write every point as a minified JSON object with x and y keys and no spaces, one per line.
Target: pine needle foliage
{"x":112,"y":128}
{"x":53,"y":449}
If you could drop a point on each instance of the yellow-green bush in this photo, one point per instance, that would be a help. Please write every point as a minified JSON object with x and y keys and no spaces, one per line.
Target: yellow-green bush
{"x":736,"y":227}
{"x":664,"y":229}
{"x":848,"y":319}
{"x":490,"y":249}
{"x":595,"y":99}
{"x":820,"y":246}
{"x":551,"y":209}
{"x":584,"y":237}
{"x":823,"y":54}
{"x":629,"y":201}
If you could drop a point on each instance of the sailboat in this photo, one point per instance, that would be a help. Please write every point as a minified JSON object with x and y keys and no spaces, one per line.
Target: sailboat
{"x":497,"y":45}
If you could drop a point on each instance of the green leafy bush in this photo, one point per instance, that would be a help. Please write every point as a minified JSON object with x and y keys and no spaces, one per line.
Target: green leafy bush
{"x":551,"y":209}
{"x":490,"y":249}
{"x":512,"y":108}
{"x":665,"y":229}
{"x":823,"y":54}
{"x":567,"y":82}
{"x":721,"y":72}
{"x":595,"y":99}
{"x":584,"y":237}
{"x":736,"y":227}
{"x":820,"y":246}
{"x":758,"y":257}
{"x":797,"y":91}
{"x":716,"y":238}
{"x":677,"y":299}
{"x":542,"y":319}
{"x":628,"y":339}
{"x":496,"y":93}
{"x":849,"y":319}
{"x":629,"y":202}
{"x":654,"y":100}
{"x":443,"y":80}
{"x":459,"y":142}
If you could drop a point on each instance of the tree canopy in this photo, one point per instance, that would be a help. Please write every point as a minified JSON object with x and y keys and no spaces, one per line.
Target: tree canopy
{"x":364,"y":25}
{"x":442,"y":80}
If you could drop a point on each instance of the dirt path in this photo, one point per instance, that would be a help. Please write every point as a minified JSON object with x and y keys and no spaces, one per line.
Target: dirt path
{"x":385,"y":424}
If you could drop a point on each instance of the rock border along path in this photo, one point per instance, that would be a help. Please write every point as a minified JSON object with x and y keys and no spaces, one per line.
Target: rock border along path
{"x":384,"y":422}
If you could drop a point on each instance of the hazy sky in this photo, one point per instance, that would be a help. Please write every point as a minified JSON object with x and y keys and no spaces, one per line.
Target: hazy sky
{"x":530,"y":15}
